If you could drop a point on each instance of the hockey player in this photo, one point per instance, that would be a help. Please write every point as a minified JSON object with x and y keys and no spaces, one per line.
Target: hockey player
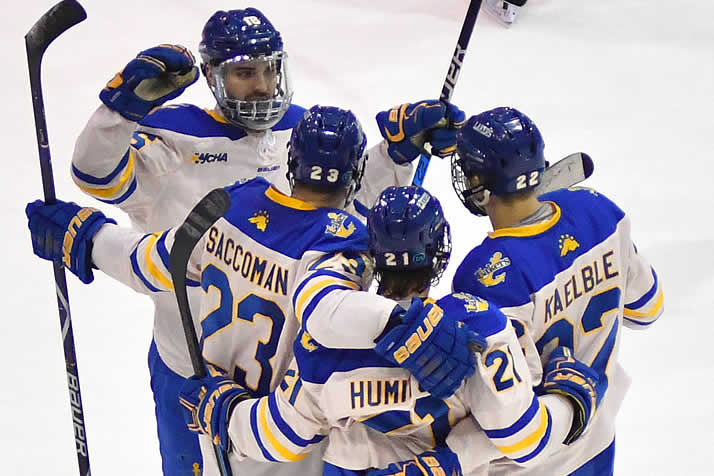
{"x":561,"y":266}
{"x":373,"y":412}
{"x":251,"y":261}
{"x":505,"y":10}
{"x":156,"y":162}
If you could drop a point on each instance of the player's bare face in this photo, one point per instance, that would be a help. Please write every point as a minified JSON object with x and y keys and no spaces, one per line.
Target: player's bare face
{"x":252,"y":80}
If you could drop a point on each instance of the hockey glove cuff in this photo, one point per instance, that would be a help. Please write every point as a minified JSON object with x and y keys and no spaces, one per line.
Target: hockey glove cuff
{"x":155,"y":76}
{"x":564,"y":375}
{"x":208,"y":403}
{"x":63,"y":232}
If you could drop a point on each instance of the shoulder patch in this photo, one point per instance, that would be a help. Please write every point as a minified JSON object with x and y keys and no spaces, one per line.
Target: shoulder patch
{"x":339,"y":226}
{"x":487,"y":274}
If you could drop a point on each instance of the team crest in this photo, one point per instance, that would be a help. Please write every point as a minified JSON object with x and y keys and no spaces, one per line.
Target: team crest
{"x":337,"y":225}
{"x":567,"y":243}
{"x":471,"y":302}
{"x":307,"y":342}
{"x":260,"y":219}
{"x":486,"y":274}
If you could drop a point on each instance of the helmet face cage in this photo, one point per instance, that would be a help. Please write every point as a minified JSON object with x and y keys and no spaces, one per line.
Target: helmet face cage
{"x":474,"y":198}
{"x":254,"y":114}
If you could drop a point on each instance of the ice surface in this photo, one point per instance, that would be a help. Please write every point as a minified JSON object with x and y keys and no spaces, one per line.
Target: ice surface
{"x":631,"y":83}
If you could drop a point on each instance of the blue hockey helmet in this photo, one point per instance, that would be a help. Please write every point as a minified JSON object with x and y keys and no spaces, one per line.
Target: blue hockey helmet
{"x":504,"y":149}
{"x":408,"y":231}
{"x":246,"y":39}
{"x":326,"y":150}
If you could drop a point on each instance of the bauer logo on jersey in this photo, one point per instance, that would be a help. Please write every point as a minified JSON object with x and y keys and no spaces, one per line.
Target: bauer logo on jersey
{"x":260,"y":219}
{"x":337,"y":225}
{"x":208,"y":157}
{"x":567,"y":243}
{"x":471,"y":302}
{"x":486,"y":274}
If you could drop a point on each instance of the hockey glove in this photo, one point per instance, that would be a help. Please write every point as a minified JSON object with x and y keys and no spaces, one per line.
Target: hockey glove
{"x":440,"y":462}
{"x":407,"y":127}
{"x":563,"y":375}
{"x":63,"y":232}
{"x":208,"y":404}
{"x":436,"y":351}
{"x":155,"y":76}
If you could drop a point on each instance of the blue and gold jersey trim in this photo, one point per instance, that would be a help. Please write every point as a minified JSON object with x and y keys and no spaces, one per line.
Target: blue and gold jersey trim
{"x":275,"y":438}
{"x":526,"y":438}
{"x":113,"y":188}
{"x":308,"y":294}
{"x":647,"y":309}
{"x":150,"y":263}
{"x":529,"y":230}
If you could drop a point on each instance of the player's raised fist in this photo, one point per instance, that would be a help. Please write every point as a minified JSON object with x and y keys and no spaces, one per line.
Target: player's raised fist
{"x":408,"y":126}
{"x":564,"y":375}
{"x":155,"y":76}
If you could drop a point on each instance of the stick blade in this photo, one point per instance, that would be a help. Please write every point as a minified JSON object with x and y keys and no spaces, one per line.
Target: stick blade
{"x":61,"y":17}
{"x":567,"y":172}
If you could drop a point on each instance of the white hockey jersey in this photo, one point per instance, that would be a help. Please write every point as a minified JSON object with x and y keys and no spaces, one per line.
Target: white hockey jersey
{"x":574,"y":280}
{"x":248,"y":265}
{"x":374,"y":413}
{"x":158,"y":169}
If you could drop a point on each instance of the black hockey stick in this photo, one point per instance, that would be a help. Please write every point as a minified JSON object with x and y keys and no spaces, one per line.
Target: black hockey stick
{"x":52,"y":24}
{"x":447,"y":90}
{"x":211,"y":207}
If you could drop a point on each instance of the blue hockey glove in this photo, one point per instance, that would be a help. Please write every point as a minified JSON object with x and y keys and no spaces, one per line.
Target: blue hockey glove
{"x":63,"y":232}
{"x":409,"y":126}
{"x":155,"y":76}
{"x":440,"y":462}
{"x":436,"y":351}
{"x":563,"y":375}
{"x":208,"y":404}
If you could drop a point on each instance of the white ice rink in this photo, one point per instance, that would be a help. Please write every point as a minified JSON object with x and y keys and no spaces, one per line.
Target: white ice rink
{"x":629,"y":82}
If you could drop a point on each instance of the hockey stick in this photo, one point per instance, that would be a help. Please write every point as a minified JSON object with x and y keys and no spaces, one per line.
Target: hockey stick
{"x":211,"y":207}
{"x":566,"y":172}
{"x":52,"y":24}
{"x":447,"y":90}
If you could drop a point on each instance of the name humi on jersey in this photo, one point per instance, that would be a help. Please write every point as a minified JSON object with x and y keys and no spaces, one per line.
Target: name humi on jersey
{"x":574,"y":280}
{"x":375,"y":413}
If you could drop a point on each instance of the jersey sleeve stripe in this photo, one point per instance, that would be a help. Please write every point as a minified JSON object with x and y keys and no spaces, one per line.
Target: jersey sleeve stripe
{"x":126,"y":195}
{"x":305,"y":315}
{"x":163,"y":251}
{"x":137,"y":270}
{"x":256,"y":433}
{"x":119,"y":186}
{"x":91,"y":179}
{"x":538,"y":435}
{"x":648,"y":295}
{"x":541,"y":445}
{"x":310,"y":292}
{"x":285,"y":428}
{"x":151,"y":267}
{"x":631,"y":323}
{"x":524,"y":420}
{"x":286,"y":454}
{"x":651,"y":313}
